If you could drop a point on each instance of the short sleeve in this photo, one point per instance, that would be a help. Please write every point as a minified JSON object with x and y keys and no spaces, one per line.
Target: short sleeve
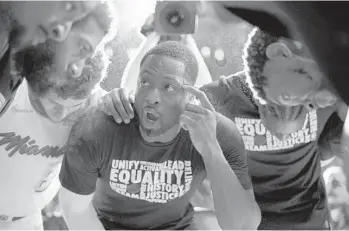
{"x":80,"y":165}
{"x":329,"y":143}
{"x":233,"y":149}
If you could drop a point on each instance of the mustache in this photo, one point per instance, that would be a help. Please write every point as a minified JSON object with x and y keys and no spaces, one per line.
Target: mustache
{"x":92,"y":73}
{"x":37,"y":65}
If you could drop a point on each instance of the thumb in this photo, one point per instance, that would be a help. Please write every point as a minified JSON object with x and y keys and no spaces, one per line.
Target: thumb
{"x":131,"y":96}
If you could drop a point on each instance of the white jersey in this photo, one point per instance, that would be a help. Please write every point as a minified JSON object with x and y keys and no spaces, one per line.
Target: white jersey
{"x":30,"y":157}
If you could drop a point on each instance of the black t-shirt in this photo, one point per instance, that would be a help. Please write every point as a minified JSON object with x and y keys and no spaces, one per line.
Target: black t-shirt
{"x":142,"y":185}
{"x":285,"y":174}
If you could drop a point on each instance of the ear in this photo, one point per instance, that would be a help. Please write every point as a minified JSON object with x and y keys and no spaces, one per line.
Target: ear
{"x":278,"y":50}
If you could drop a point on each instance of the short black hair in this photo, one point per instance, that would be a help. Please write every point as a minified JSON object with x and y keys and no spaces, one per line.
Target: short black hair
{"x":254,"y":58}
{"x":179,"y":52}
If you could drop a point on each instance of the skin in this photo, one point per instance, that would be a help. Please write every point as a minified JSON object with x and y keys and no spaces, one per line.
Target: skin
{"x":36,"y":21}
{"x":79,"y":45}
{"x":294,"y":80}
{"x":160,"y":93}
{"x":294,"y":84}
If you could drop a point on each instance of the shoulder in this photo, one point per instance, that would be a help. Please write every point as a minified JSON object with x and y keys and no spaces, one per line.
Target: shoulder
{"x":229,"y":94}
{"x":227,"y":131}
{"x":91,"y":125}
{"x":219,"y":89}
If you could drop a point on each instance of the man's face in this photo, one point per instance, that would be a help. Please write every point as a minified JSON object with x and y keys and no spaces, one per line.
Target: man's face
{"x":70,"y":55}
{"x":294,"y":80}
{"x":52,"y":65}
{"x":38,"y":20}
{"x":160,"y":98}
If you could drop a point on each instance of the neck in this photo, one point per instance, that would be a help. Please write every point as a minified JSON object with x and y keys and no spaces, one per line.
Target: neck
{"x":160,"y":136}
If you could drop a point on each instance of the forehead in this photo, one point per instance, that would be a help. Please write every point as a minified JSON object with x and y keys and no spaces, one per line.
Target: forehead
{"x":164,"y":64}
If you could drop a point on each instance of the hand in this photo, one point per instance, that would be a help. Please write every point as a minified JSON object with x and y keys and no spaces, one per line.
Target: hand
{"x":199,"y":120}
{"x":203,"y":196}
{"x":118,"y":104}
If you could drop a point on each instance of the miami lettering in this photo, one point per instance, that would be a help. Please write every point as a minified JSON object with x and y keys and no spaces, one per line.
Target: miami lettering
{"x":27,"y":146}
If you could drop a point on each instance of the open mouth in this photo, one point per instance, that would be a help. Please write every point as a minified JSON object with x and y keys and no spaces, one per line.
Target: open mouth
{"x":152,"y":117}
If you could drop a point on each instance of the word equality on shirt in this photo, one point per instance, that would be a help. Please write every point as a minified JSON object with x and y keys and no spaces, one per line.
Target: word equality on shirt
{"x":153,"y":182}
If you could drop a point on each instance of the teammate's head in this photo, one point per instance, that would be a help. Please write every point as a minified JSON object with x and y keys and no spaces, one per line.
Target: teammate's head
{"x":53,"y":62}
{"x":282,"y":71}
{"x":58,"y":101}
{"x":32,"y":22}
{"x":55,"y":71}
{"x":285,"y":80}
{"x":160,"y":97}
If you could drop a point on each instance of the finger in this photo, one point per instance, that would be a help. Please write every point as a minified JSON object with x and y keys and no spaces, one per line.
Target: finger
{"x":196,"y":108}
{"x":102,"y":105}
{"x":192,"y":115}
{"x":125,"y":96}
{"x":131,"y":98}
{"x":119,"y":106}
{"x":207,"y":187}
{"x":110,"y":110}
{"x":201,"y":96}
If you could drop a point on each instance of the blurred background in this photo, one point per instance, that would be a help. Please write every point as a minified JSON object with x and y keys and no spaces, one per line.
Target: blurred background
{"x":221,"y":46}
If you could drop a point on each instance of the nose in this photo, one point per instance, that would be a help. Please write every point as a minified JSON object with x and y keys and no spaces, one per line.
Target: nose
{"x":310,"y":105}
{"x":75,"y":69}
{"x":154,"y":97}
{"x":59,"y":32}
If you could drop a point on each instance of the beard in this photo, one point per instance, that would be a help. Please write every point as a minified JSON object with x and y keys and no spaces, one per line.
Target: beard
{"x":282,"y":120}
{"x":158,"y":131}
{"x":36,"y":65}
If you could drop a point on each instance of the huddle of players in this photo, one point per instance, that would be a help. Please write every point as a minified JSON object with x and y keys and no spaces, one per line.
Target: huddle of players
{"x":253,"y":136}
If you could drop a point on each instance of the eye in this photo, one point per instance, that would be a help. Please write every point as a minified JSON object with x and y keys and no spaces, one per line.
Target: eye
{"x":170,"y":88}
{"x":144,"y":83}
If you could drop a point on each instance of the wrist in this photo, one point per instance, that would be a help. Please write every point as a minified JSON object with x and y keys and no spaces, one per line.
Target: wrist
{"x":212,"y":151}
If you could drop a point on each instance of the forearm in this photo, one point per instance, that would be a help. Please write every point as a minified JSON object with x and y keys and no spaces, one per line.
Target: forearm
{"x":234,"y":206}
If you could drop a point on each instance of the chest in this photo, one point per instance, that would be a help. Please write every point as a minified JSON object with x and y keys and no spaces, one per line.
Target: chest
{"x":153,"y":173}
{"x":29,"y":143}
{"x":258,"y":139}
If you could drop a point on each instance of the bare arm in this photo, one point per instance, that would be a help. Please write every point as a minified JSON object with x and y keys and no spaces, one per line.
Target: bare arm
{"x":78,"y":211}
{"x":235,"y":207}
{"x":220,"y":144}
{"x":80,"y":171}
